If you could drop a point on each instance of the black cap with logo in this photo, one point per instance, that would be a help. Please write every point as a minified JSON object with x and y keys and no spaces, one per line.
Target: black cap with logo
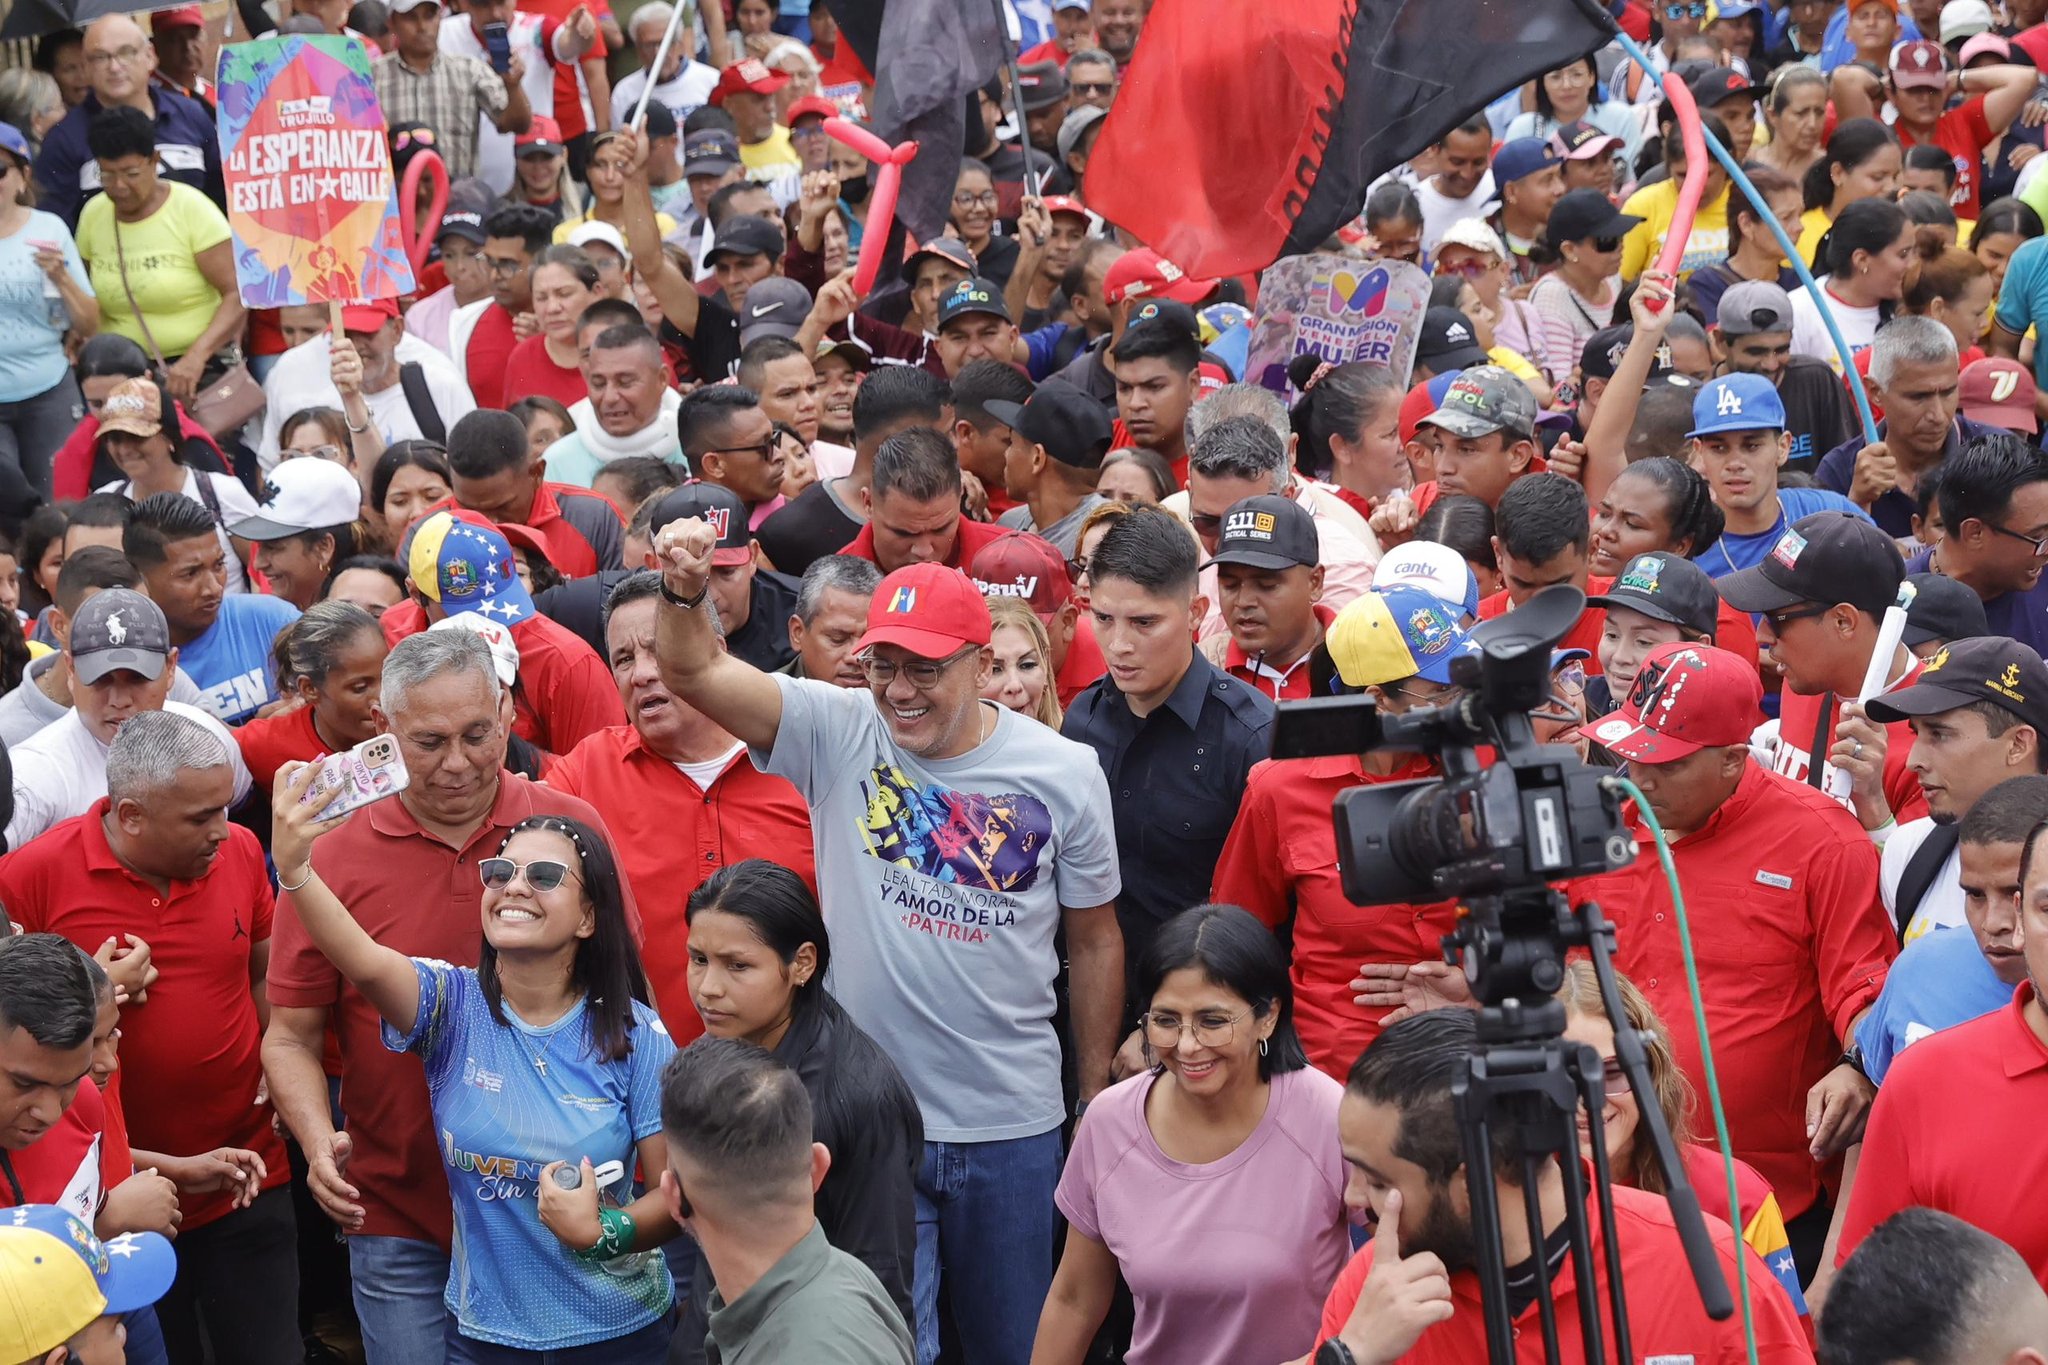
{"x":716,"y":505}
{"x":1447,"y":341}
{"x":1828,"y":557}
{"x":1268,"y":532}
{"x":973,"y":295}
{"x":1665,"y":587}
{"x":1989,"y":668}
{"x":1073,"y":428}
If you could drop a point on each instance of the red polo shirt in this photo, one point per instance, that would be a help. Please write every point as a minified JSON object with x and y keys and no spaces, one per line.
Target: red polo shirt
{"x":1293,"y":685}
{"x":1584,"y":635}
{"x":1799,"y":721}
{"x":1665,"y":1319}
{"x":1957,"y":1127}
{"x":192,"y":1052}
{"x":564,"y":693}
{"x":1792,"y":944}
{"x":1281,"y":860}
{"x":972,"y":538}
{"x":568,"y":549}
{"x":273,"y":741}
{"x":1084,"y":662}
{"x":1963,"y":132}
{"x":672,"y":834}
{"x":486,"y":356}
{"x":422,"y":897}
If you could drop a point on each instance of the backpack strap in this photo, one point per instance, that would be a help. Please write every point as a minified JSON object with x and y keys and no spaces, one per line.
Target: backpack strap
{"x":413,"y":379}
{"x":1921,"y":870}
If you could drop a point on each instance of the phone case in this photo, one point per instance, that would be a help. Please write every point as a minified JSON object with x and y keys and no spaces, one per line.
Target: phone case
{"x":369,"y":772}
{"x":498,"y":42}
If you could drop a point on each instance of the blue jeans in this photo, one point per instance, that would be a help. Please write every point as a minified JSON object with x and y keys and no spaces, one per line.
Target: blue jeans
{"x":985,"y":1232}
{"x":648,"y":1346}
{"x":35,"y":428}
{"x":398,"y":1285}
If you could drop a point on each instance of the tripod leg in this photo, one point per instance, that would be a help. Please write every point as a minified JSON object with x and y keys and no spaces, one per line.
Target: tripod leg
{"x":1491,"y":1268}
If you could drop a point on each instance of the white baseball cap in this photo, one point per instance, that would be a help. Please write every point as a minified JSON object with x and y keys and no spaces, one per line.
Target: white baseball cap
{"x":301,"y":495}
{"x":583,"y":234}
{"x":1474,"y":234}
{"x":504,"y":649}
{"x":1437,"y":569}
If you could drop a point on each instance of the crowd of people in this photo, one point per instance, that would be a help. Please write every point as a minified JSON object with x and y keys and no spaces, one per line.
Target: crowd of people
{"x":685,"y":813}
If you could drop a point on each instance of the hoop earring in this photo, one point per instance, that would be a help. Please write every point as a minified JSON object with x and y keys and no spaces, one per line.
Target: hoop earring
{"x":1262,"y":1047}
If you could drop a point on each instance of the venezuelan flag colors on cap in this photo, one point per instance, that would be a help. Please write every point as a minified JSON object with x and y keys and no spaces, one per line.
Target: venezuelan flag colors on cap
{"x":465,"y":563}
{"x":1389,"y":634}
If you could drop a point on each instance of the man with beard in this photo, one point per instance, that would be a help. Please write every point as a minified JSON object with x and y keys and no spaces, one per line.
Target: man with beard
{"x":841,"y":365}
{"x":1994,"y":504}
{"x":1411,"y":1293}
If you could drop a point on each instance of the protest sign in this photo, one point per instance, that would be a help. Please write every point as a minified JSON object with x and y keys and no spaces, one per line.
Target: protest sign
{"x":1339,"y":308}
{"x":311,"y":198}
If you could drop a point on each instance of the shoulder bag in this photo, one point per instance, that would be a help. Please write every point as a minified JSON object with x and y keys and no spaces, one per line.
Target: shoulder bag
{"x":223,"y":407}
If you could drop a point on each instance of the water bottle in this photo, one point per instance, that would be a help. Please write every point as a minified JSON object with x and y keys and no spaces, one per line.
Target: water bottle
{"x":569,"y":1176}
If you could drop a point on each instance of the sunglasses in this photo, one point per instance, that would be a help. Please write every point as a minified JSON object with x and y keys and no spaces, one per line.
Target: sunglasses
{"x":1093,"y":87}
{"x":1606,"y":244}
{"x":1696,"y":10}
{"x":765,"y":449}
{"x":544,"y":874}
{"x":412,"y":137}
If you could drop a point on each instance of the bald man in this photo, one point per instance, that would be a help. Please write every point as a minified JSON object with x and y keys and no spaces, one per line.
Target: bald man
{"x":120,"y":61}
{"x":1926,"y":1288}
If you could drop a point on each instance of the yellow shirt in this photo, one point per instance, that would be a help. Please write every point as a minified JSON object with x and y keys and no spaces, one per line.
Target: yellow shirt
{"x":569,"y":225}
{"x":1514,"y":363}
{"x":1813,"y":225}
{"x":770,"y":154}
{"x":162,"y":253}
{"x":1656,"y":206}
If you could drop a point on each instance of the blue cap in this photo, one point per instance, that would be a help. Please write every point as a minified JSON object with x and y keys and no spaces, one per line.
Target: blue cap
{"x":1387,"y":634}
{"x":131,"y":1271}
{"x":1737,"y":402}
{"x":12,"y":140}
{"x":1522,"y":156}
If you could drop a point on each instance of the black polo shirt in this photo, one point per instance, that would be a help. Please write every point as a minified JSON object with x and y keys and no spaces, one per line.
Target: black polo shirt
{"x":1176,"y":778}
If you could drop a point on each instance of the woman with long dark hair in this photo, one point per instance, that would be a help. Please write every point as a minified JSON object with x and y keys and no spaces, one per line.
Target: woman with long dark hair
{"x":1866,"y":255}
{"x":1862,"y":160}
{"x":554,"y":1011}
{"x":758,"y":957}
{"x":1230,"y":1117}
{"x":1348,"y":424}
{"x":331,"y":661}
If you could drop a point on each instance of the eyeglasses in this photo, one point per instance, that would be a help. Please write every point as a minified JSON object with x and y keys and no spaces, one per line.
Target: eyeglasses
{"x":1205,"y":524}
{"x":923,"y":673}
{"x":1092,"y":87}
{"x":544,"y":874}
{"x":1443,"y":694}
{"x":1697,"y":9}
{"x":1466,"y":269}
{"x":1778,"y":620}
{"x":1571,"y":75}
{"x":120,"y":56}
{"x":1163,"y":1031}
{"x":764,"y":449}
{"x":1077,"y":569}
{"x":2039,"y":547}
{"x":967,"y":200}
{"x":505,"y":265}
{"x":326,"y":452}
{"x":807,"y":132}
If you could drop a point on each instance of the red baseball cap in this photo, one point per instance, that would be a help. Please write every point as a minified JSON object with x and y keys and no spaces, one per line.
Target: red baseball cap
{"x":543,"y":134}
{"x":928,"y":609}
{"x":1018,"y":564}
{"x":1416,"y":406}
{"x":1919,"y":63}
{"x":810,"y":104}
{"x":1144,"y":273}
{"x":1685,"y":698}
{"x":752,"y":75}
{"x":369,"y":315}
{"x":184,"y":16}
{"x":1999,"y":393}
{"x":1065,"y":203}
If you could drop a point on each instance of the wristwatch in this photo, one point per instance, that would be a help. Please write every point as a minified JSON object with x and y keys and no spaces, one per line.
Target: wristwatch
{"x":1334,"y":1352}
{"x":686,"y":603}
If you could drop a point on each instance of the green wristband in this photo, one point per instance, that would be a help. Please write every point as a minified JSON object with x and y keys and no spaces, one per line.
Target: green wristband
{"x":615,"y":1236}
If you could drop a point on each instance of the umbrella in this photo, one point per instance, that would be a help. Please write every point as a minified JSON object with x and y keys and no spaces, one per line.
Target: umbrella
{"x":86,"y":11}
{"x":34,"y":18}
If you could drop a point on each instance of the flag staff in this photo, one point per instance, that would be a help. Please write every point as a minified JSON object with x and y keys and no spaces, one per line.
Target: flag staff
{"x":1031,"y":182}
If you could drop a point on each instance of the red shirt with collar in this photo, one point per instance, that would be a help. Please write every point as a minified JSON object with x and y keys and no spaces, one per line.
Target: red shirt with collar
{"x":1792,"y":944}
{"x":487,"y":355}
{"x":567,"y":548}
{"x":1799,"y":716}
{"x":555,"y":664}
{"x":1963,"y":132}
{"x":75,"y":1163}
{"x":1584,"y":635}
{"x":273,"y":741}
{"x":1084,"y":662}
{"x":1295,"y":686}
{"x":1281,"y":860}
{"x":1957,"y":1127}
{"x":672,"y":834}
{"x":972,"y":538}
{"x":1666,"y":1321}
{"x":192,"y":1051}
{"x":422,"y":897}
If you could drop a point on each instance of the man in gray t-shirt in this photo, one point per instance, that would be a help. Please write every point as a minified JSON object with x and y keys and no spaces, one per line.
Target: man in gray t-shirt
{"x":953,"y":839}
{"x":1057,"y":442}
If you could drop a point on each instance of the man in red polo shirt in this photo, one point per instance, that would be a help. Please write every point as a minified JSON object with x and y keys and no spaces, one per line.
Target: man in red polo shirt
{"x":1542,"y":533}
{"x":1280,"y":861}
{"x":913,"y":505}
{"x":1791,"y":939}
{"x":1922,"y":79}
{"x":157,"y":858}
{"x":406,"y":869}
{"x":1822,"y":592}
{"x":1411,"y":1293}
{"x":459,"y":562}
{"x":682,"y":796}
{"x":1019,"y":564}
{"x":1271,"y":586}
{"x":495,"y":476}
{"x":1957,"y":1125}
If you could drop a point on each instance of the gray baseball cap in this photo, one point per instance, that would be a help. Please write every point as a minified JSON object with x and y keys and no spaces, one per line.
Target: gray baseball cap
{"x":1076,"y":123}
{"x":119,"y":628}
{"x":1483,"y":400}
{"x":1752,"y":306}
{"x":776,"y":307}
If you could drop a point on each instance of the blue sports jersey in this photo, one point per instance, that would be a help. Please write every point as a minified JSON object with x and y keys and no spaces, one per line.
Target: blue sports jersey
{"x":1732,"y":552}
{"x":508,"y":1099}
{"x":232,"y":662}
{"x":1939,"y":981}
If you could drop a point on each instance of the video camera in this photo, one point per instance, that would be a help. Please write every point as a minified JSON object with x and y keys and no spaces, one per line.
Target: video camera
{"x":1535,"y":815}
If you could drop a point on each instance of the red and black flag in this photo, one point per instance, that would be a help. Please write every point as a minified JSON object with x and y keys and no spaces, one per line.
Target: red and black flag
{"x":929,"y":57}
{"x":1248,"y":130}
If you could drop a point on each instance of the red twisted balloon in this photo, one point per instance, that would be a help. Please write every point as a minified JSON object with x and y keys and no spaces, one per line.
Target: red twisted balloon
{"x":419,"y":237}
{"x":890,"y":162}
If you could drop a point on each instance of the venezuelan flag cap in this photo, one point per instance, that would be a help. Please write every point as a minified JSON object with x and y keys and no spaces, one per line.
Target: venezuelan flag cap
{"x":928,"y":609}
{"x":1389,"y":634}
{"x":462,"y":561}
{"x":56,"y":1277}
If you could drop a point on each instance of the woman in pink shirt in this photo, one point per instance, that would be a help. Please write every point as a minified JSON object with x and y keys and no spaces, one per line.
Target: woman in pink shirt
{"x":1213,"y":1181}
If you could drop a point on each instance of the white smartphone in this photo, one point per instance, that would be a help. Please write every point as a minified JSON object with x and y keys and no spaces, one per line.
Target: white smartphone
{"x":367,"y":773}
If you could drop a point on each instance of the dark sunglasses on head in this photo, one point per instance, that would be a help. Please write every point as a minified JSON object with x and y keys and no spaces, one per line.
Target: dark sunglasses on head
{"x":544,"y":874}
{"x":412,"y":137}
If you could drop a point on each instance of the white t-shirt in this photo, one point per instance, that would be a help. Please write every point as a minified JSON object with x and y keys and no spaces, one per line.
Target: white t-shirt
{"x":1810,"y":334}
{"x":1439,"y":210}
{"x":1942,"y":906}
{"x":711,"y":769}
{"x":300,"y":379}
{"x":830,"y":460}
{"x":61,"y":770}
{"x":235,"y":503}
{"x":494,"y":155}
{"x":689,"y":91}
